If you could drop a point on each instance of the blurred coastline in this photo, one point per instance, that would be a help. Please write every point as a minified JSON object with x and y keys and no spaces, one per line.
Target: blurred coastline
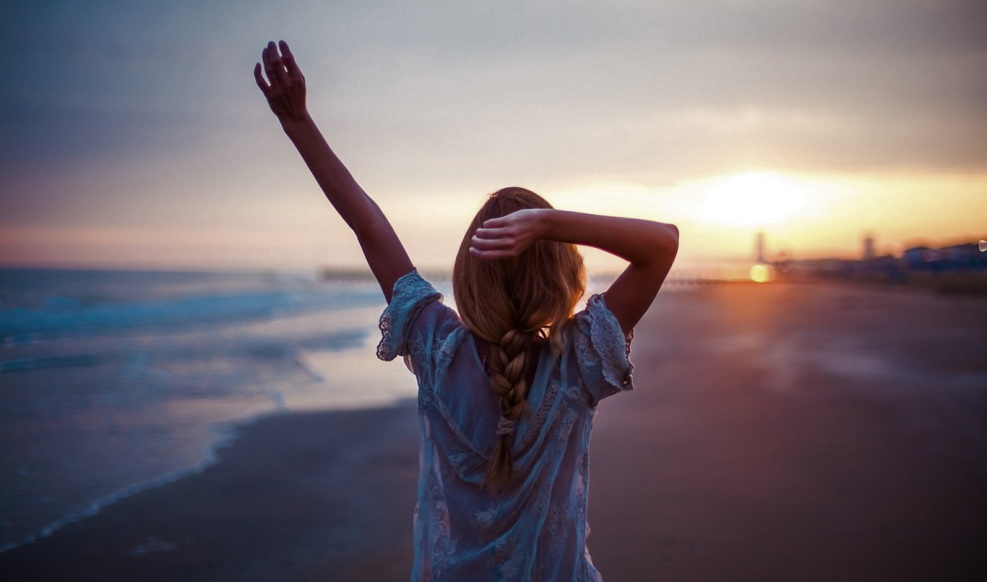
{"x":115,"y":381}
{"x":826,"y":417}
{"x":777,"y":431}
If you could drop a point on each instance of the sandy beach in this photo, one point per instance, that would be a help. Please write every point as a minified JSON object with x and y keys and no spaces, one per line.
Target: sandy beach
{"x":777,"y":432}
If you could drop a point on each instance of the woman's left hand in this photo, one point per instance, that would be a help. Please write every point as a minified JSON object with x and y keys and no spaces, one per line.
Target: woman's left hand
{"x":508,"y":236}
{"x":285,"y":84}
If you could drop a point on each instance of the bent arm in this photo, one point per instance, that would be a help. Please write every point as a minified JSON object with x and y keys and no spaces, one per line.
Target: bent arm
{"x":650,"y":248}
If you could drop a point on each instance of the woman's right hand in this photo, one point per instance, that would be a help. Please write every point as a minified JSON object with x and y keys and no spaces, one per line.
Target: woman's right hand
{"x":650,"y":248}
{"x":285,"y":84}
{"x":508,"y":236}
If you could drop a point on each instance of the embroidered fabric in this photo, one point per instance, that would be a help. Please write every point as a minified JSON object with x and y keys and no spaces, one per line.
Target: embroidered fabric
{"x":606,"y":365}
{"x":410,"y":294}
{"x":462,"y":531}
{"x":603,"y":328}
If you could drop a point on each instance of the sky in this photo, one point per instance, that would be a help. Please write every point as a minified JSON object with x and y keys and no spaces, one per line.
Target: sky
{"x":133,"y":135}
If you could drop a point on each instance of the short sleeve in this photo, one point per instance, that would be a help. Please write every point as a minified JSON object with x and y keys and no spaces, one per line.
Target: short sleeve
{"x":411,"y":294}
{"x":602,"y":350}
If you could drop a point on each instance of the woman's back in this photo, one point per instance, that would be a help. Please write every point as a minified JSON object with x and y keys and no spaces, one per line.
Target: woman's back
{"x":535,"y":528}
{"x":504,"y":469}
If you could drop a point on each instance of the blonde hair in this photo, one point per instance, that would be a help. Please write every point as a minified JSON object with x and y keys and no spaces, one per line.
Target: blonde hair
{"x":509,"y":303}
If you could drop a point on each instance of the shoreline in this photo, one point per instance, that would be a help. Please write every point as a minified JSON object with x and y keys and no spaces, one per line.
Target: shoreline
{"x":199,"y":526}
{"x":226,"y":436}
{"x":776,"y":432}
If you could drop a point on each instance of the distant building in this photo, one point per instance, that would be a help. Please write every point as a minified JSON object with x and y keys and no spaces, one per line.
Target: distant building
{"x":961,"y":255}
{"x":957,"y":268}
{"x":760,"y":248}
{"x":869,"y":248}
{"x":920,"y":257}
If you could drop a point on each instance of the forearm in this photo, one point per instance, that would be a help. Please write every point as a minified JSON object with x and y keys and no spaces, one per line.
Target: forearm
{"x":339,"y":186}
{"x":384,"y":252}
{"x":650,"y":248}
{"x":643,"y":243}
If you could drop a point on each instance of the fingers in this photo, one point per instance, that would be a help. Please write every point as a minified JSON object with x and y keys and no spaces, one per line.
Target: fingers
{"x":264,"y":87}
{"x":486,"y":244}
{"x":490,"y":255}
{"x":289,"y":63}
{"x":491,"y":233}
{"x":273,"y":66}
{"x":495,"y":222}
{"x":277,"y":64}
{"x":268,"y":69}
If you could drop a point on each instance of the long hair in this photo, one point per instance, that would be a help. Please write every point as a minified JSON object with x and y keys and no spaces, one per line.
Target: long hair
{"x":510,"y":303}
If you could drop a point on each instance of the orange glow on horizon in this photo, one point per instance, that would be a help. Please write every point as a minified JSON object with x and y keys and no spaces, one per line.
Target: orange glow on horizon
{"x":801,"y":215}
{"x":760,"y":274}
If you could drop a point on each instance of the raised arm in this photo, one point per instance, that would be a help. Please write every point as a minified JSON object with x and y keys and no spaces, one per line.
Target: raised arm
{"x":285,"y":91}
{"x":650,"y":248}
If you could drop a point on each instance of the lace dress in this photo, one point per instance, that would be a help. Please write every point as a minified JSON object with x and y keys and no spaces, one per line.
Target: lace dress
{"x":535,"y":530}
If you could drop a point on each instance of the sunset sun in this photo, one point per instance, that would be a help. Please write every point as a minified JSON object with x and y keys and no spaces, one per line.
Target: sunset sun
{"x":753,"y":199}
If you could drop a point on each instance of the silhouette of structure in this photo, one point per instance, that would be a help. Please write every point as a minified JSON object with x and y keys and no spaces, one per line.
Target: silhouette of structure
{"x":760,"y":248}
{"x":957,"y":268}
{"x":869,"y":247}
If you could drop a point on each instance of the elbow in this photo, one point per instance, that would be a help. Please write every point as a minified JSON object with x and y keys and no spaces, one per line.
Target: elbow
{"x":369,"y":222}
{"x":667,"y":240}
{"x":673,"y":237}
{"x":658,"y":248}
{"x":666,"y":248}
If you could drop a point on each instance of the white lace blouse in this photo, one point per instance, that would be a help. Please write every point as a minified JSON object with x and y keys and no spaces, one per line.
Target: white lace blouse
{"x":535,"y":530}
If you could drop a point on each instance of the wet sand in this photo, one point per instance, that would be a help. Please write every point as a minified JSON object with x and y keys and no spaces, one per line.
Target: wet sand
{"x":777,"y":432}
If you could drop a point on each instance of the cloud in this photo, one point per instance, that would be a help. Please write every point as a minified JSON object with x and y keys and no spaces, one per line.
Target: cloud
{"x":529,"y":77}
{"x":145,"y":109}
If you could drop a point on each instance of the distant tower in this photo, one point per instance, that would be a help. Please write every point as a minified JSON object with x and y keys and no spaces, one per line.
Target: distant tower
{"x":760,"y":248}
{"x":868,"y":247}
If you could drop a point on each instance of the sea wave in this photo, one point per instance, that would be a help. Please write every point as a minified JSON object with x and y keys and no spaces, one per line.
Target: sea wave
{"x":62,"y":317}
{"x":254,"y":350}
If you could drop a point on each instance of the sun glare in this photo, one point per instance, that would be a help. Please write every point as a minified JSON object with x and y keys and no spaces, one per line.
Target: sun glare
{"x":753,"y":199}
{"x":760,"y":274}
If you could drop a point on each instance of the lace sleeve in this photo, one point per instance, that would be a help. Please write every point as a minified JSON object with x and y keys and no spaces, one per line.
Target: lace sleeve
{"x":411,"y":294}
{"x":602,"y":350}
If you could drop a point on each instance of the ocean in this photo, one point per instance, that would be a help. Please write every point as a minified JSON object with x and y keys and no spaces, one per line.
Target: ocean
{"x":115,"y":381}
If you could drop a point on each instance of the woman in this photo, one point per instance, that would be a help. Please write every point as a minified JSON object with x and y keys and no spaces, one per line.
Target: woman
{"x":508,"y":386}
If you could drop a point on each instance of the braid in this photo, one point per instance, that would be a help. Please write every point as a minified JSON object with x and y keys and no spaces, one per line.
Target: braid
{"x":509,"y":362}
{"x":509,"y":303}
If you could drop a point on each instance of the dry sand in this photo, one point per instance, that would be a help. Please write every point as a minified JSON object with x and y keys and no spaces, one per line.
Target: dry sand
{"x":777,"y":433}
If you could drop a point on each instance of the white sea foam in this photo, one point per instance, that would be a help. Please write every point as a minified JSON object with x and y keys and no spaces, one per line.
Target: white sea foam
{"x":113,"y":383}
{"x":225,"y":437}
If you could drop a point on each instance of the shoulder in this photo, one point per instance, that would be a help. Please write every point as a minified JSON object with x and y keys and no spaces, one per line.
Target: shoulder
{"x":597,"y":322}
{"x":416,"y":306}
{"x":410,"y":289}
{"x":601,"y":350}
